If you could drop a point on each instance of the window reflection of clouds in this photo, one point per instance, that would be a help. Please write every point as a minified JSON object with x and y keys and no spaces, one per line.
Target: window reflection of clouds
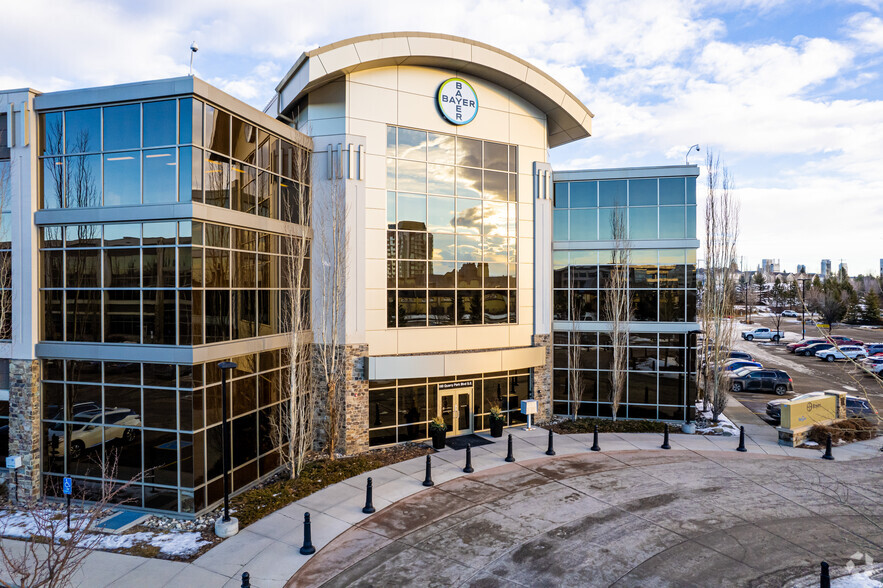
{"x":411,"y":176}
{"x":441,"y":214}
{"x":469,"y":216}
{"x":469,"y":182}
{"x":441,"y":179}
{"x":442,"y":148}
{"x":412,"y":144}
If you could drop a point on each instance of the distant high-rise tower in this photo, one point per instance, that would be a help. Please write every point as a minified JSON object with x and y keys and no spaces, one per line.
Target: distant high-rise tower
{"x":801,"y":269}
{"x":843,"y":268}
{"x":826,"y":268}
{"x":770,"y":266}
{"x":881,"y":268}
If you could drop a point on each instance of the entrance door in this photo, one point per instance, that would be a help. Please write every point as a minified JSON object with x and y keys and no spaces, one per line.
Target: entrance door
{"x":455,"y":407}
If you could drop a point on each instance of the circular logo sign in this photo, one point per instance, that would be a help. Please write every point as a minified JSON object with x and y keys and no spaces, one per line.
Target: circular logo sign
{"x":457,"y":101}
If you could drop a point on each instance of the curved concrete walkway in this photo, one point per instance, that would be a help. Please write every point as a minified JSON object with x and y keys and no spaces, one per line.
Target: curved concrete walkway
{"x":628,"y":518}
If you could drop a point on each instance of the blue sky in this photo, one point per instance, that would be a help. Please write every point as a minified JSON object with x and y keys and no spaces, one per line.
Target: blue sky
{"x":788,"y":93}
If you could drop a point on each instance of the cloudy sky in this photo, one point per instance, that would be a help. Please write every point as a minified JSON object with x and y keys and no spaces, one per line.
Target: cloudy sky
{"x":787,"y":92}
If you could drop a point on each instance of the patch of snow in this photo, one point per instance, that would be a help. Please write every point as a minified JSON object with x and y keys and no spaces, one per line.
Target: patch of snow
{"x":178,"y":543}
{"x":850,"y":388}
{"x":810,"y":444}
{"x":723,"y":427}
{"x":859,"y":580}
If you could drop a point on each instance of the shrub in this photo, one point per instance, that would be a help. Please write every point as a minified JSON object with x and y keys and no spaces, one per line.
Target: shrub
{"x":587,"y":425}
{"x":848,"y":430}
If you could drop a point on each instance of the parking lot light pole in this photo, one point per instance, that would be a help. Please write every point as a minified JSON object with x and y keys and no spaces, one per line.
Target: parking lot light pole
{"x":225,"y":526}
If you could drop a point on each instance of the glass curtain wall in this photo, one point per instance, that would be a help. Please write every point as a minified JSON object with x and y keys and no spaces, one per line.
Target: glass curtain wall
{"x":400,"y":410}
{"x":158,"y":427}
{"x":452,"y":219}
{"x":162,"y":152}
{"x":161,"y":283}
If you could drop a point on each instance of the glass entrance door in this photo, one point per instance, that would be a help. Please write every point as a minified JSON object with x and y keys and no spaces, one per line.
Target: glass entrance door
{"x":455,"y":407}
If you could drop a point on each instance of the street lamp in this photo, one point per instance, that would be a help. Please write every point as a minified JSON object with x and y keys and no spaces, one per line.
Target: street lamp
{"x":803,"y":305}
{"x":687,"y":156}
{"x":225,"y":526}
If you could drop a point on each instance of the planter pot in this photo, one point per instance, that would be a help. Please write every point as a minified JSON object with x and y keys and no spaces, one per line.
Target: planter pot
{"x":688,"y":428}
{"x":497,"y":427}
{"x":438,"y":439}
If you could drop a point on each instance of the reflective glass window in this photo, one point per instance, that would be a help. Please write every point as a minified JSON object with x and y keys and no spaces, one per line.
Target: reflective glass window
{"x":642,"y":223}
{"x":82,"y":130}
{"x":122,"y":234}
{"x":469,"y":182}
{"x":53,"y":182}
{"x":122,"y":179}
{"x":52,"y":133}
{"x":642,"y":192}
{"x":122,"y":127}
{"x":412,"y":209}
{"x":244,"y":141}
{"x":82,"y":181}
{"x":671,"y":222}
{"x":496,"y":156}
{"x":160,"y":176}
{"x":561,"y":195}
{"x":441,"y":214}
{"x":612,"y":193}
{"x":412,"y":308}
{"x":496,"y":185}
{"x":469,"y":216}
{"x":217,"y":130}
{"x":560,"y":225}
{"x":122,"y":316}
{"x":441,"y":179}
{"x":244,"y":188}
{"x":217,"y":180}
{"x":411,"y":176}
{"x":160,"y":123}
{"x":122,"y":268}
{"x":190,"y":128}
{"x":583,"y":224}
{"x":441,"y":148}
{"x":691,"y":190}
{"x":672,"y":191}
{"x":583,"y":194}
{"x":83,"y":315}
{"x":412,"y":144}
{"x":469,"y":307}
{"x":468,"y":152}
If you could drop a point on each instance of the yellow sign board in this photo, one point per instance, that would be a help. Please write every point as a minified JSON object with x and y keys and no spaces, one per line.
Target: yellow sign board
{"x":804,"y":413}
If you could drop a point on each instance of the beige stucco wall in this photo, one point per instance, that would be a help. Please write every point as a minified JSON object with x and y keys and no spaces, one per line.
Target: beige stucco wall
{"x":405,"y":96}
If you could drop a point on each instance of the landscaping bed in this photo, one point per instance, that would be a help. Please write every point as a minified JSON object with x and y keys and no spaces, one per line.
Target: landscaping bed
{"x":846,"y":431}
{"x":587,"y":425}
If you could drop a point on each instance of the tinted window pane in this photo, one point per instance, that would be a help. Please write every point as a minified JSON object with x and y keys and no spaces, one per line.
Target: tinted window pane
{"x":53,"y":182}
{"x":441,"y":214}
{"x":496,"y":185}
{"x":671,"y":222}
{"x":642,"y":223}
{"x":442,"y":148}
{"x":217,"y":130}
{"x":412,"y":144}
{"x":217,"y":181}
{"x":122,"y":268}
{"x":468,"y":152}
{"x":122,"y":127}
{"x":583,"y":194}
{"x":561,"y":195}
{"x":642,"y":192}
{"x":160,"y":176}
{"x":583,"y":224}
{"x":671,"y":191}
{"x":120,"y":234}
{"x":52,"y":128}
{"x":691,"y":190}
{"x":82,"y":130}
{"x":244,"y":140}
{"x":441,"y":179}
{"x":122,"y":312}
{"x":412,"y":209}
{"x":84,"y":315}
{"x":122,"y":179}
{"x":469,"y":182}
{"x":412,"y":308}
{"x":469,"y":308}
{"x":612,"y":193}
{"x":496,"y":156}
{"x":83,"y":181}
{"x":160,"y":120}
{"x":559,"y":223}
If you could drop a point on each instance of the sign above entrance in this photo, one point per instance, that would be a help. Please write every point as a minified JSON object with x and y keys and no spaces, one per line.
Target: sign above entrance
{"x":454,"y":385}
{"x":457,"y":101}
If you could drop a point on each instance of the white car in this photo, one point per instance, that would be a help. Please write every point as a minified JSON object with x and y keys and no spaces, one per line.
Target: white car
{"x":850,"y":351}
{"x":873,"y":365}
{"x":791,"y":313}
{"x":88,"y":432}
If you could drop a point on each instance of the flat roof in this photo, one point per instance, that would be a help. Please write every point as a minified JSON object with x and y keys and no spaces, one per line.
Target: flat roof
{"x":567,"y":117}
{"x":617,"y":173}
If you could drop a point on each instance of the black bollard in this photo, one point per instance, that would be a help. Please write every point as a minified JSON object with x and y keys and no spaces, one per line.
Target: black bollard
{"x":369,"y":498}
{"x":307,"y":548}
{"x":828,"y":448}
{"x":428,"y":480}
{"x":595,"y":446}
{"x":741,"y":440}
{"x":509,"y":457}
{"x":551,"y":449}
{"x":825,"y":576}
{"x":665,"y":444}
{"x":468,"y":469}
{"x":246,"y":583}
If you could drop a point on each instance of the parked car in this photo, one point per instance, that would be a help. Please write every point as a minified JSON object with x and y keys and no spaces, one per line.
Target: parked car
{"x":791,"y":313}
{"x":762,"y":381}
{"x":729,"y":356}
{"x":855,"y":406}
{"x":844,"y":351}
{"x":735,"y":364}
{"x":87,"y":433}
{"x":869,"y":363}
{"x":763,"y":333}
{"x":874,"y":348}
{"x":792,"y":347}
{"x":774,"y":407}
{"x":810,"y":350}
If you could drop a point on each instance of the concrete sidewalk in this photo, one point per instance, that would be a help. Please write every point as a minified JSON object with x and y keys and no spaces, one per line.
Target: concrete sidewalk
{"x":268,"y":549}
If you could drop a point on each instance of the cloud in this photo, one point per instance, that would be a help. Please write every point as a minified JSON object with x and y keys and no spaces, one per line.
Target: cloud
{"x":867,"y":30}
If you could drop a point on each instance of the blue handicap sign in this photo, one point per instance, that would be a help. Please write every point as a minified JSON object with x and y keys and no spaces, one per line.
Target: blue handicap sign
{"x":67,"y":486}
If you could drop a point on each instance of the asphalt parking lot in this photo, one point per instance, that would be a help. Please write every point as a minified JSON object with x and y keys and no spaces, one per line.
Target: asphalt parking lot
{"x":809,"y":374}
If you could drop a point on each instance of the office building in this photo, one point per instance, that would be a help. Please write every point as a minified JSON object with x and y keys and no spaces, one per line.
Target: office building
{"x":153,"y":231}
{"x":801,"y":269}
{"x":770,"y":266}
{"x":843,"y":268}
{"x":826,"y":268}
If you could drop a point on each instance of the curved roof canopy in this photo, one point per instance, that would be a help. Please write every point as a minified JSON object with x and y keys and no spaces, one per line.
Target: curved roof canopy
{"x":568,"y":118}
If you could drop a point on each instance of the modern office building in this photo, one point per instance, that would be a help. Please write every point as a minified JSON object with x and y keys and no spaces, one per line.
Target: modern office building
{"x":801,"y":268}
{"x":843,"y":268}
{"x":826,"y":268}
{"x":657,"y":206}
{"x":770,"y":266}
{"x":152,"y":229}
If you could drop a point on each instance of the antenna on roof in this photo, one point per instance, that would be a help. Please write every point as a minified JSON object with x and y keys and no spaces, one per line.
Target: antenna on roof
{"x":193,"y":49}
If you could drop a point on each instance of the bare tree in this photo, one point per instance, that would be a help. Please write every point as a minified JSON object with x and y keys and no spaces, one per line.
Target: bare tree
{"x":778,"y":300}
{"x":292,"y":422}
{"x":5,"y":250}
{"x":575,"y":386}
{"x":721,"y":234}
{"x":330,"y":242}
{"x":618,"y":307}
{"x":53,"y":553}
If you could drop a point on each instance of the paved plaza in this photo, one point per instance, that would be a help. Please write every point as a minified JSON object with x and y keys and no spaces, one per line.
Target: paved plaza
{"x":629,"y":518}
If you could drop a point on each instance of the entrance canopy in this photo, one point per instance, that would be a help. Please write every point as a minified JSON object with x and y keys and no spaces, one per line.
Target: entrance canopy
{"x":568,"y":118}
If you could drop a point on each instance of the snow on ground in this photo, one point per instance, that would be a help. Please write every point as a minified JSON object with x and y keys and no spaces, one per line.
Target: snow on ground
{"x":22,"y":525}
{"x":724,"y":425}
{"x":859,"y":580}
